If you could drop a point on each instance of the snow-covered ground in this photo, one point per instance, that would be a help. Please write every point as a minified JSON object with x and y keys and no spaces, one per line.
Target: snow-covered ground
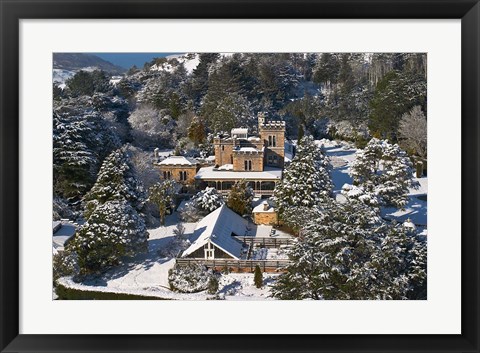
{"x":147,"y":274}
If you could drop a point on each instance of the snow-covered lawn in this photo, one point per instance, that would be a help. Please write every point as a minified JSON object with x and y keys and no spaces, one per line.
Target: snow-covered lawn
{"x":147,"y":274}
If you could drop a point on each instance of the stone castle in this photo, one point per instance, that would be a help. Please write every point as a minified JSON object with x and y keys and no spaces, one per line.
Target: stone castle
{"x":252,"y":153}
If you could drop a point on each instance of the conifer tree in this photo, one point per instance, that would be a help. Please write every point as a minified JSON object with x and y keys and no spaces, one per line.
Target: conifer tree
{"x":382,"y":171}
{"x":162,"y":195}
{"x":258,"y":277}
{"x":348,"y":252}
{"x":116,"y":181}
{"x":240,"y":198}
{"x":113,"y":230}
{"x":306,"y":181}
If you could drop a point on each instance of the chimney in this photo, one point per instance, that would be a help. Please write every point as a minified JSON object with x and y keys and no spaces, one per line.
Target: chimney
{"x":265,"y":206}
{"x":155,"y":151}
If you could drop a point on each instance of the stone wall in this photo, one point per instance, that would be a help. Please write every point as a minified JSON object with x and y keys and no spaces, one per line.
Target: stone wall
{"x":268,"y":218}
{"x":223,"y":151}
{"x":175,"y":172}
{"x":239,"y":158}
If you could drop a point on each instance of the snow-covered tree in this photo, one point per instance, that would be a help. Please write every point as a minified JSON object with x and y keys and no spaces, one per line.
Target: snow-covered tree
{"x":240,"y":198}
{"x":306,"y":181}
{"x":382,"y":172}
{"x":113,"y":230}
{"x":413,"y":131}
{"x":81,"y":140}
{"x":116,"y":181}
{"x":203,"y":203}
{"x":348,"y":252}
{"x":162,"y":194}
{"x":152,"y":128}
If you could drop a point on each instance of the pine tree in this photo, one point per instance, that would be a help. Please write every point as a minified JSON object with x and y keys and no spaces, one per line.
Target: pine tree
{"x":306,"y":181}
{"x":383,"y":171}
{"x":116,"y":181}
{"x":240,"y":198}
{"x":258,"y":277}
{"x":113,"y":230}
{"x":348,"y":252}
{"x":196,"y":131}
{"x":162,"y":194}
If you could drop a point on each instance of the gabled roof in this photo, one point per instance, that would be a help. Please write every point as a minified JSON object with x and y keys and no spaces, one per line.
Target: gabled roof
{"x":217,"y":227}
{"x":178,"y":160}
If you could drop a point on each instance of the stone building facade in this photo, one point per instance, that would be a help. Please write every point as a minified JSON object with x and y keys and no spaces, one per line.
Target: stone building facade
{"x":252,"y":153}
{"x":178,"y":168}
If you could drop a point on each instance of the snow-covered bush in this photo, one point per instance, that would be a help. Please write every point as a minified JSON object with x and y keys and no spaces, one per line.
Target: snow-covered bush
{"x":189,"y":279}
{"x":65,"y":264}
{"x":203,"y":203}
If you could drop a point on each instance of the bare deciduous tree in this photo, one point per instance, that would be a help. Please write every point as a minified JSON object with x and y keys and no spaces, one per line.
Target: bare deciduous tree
{"x":413,"y":131}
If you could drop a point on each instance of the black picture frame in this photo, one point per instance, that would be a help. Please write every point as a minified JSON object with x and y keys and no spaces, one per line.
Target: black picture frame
{"x":12,"y":11}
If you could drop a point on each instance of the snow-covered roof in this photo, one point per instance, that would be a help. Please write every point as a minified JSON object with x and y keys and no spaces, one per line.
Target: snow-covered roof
{"x":269,"y":173}
{"x":248,"y":149}
{"x":226,"y":167}
{"x":217,"y":227}
{"x":178,"y":160}
{"x":260,"y":208}
{"x":239,"y":131}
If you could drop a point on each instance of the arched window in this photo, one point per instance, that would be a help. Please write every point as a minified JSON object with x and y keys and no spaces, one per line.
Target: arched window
{"x":246,"y":165}
{"x":164,"y":175}
{"x":274,"y":141}
{"x":249,"y":165}
{"x":269,"y":140}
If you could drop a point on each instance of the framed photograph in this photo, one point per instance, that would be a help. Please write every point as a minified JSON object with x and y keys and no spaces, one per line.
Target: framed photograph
{"x":234,"y":176}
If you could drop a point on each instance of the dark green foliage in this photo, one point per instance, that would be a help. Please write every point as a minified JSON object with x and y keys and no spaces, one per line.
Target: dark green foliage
{"x":240,"y":198}
{"x":196,"y":131}
{"x":258,"y":277}
{"x":65,"y":293}
{"x":212,"y":285}
{"x":396,"y":94}
{"x":162,"y":195}
{"x":86,"y":83}
{"x":80,"y":141}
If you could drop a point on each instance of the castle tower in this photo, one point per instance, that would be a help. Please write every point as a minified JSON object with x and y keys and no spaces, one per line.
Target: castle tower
{"x":273,"y":135}
{"x":261,"y":120}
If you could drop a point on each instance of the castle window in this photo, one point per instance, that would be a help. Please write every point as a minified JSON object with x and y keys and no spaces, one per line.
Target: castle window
{"x":164,"y":175}
{"x":249,"y":165}
{"x":223,"y":148}
{"x":246,"y":165}
{"x":274,"y":142}
{"x":183,"y":175}
{"x":269,"y":140}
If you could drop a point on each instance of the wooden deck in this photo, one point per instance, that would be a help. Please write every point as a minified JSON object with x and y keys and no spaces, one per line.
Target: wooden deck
{"x":237,"y":265}
{"x":270,"y":243}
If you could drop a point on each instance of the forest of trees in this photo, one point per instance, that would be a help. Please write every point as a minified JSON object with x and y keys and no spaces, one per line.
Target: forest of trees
{"x":104,"y":135}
